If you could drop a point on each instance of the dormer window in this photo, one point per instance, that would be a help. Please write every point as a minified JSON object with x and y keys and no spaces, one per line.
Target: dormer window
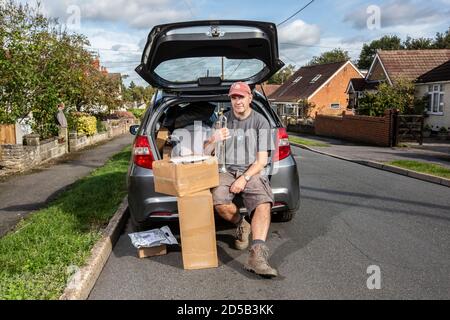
{"x":317,"y":77}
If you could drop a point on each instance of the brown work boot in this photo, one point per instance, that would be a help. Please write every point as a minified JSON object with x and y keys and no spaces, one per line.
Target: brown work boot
{"x":257,"y":261}
{"x":242,"y":235}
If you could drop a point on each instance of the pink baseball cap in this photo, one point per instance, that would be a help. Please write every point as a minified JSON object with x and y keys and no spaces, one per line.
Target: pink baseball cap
{"x":240,"y":88}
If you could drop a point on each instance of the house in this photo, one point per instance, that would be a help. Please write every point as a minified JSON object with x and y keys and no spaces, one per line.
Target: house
{"x":429,"y":69}
{"x":436,"y":85}
{"x":268,"y":89}
{"x":318,"y":88}
{"x":357,"y":88}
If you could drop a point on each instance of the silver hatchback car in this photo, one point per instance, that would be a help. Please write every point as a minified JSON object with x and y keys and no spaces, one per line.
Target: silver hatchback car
{"x":193,"y":65}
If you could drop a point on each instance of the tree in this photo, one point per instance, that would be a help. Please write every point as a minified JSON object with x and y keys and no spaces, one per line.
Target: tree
{"x":281,"y":76}
{"x":42,"y":65}
{"x":335,"y":55}
{"x":399,"y":96}
{"x":442,"y":40}
{"x":418,"y":43}
{"x":137,"y":94}
{"x":369,"y":51}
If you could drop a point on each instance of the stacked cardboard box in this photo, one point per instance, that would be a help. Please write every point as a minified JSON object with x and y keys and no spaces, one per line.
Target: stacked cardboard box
{"x":191,"y":182}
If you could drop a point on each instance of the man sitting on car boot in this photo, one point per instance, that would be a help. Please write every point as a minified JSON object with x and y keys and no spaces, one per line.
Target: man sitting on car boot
{"x":246,"y":156}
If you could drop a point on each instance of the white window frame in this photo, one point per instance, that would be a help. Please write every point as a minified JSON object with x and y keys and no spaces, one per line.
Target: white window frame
{"x":436,"y":99}
{"x":317,"y":77}
{"x":297,"y":79}
{"x":291,"y":110}
{"x":335,"y":104}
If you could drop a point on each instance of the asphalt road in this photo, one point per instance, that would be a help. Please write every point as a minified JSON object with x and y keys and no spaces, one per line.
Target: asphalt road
{"x":351,"y":217}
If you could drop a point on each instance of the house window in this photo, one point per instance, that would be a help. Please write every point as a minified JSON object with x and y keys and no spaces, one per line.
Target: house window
{"x":297,"y":79}
{"x":435,"y":99}
{"x":316,"y":78}
{"x":335,"y":106}
{"x":291,"y":110}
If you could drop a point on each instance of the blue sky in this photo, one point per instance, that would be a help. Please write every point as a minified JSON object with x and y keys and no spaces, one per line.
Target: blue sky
{"x":118,"y":29}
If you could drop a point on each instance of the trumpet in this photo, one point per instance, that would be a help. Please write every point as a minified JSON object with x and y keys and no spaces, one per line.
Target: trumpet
{"x":219,"y":150}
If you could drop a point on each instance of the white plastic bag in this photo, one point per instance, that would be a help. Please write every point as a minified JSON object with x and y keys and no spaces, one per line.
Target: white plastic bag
{"x":153,"y":238}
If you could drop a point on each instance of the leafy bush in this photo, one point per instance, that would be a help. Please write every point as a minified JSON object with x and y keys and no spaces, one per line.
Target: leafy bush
{"x":399,"y":96}
{"x":138,"y":113}
{"x":83,"y":123}
{"x":100,"y":126}
{"x":121,"y":115}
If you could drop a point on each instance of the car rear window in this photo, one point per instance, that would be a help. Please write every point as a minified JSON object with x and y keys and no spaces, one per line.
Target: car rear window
{"x":190,"y":69}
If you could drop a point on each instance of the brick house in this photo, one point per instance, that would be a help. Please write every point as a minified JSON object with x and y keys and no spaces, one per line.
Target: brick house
{"x":429,"y":69}
{"x":322,"y":87}
{"x":268,"y":89}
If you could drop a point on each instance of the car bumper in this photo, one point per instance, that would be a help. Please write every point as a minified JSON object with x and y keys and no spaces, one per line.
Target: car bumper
{"x":145,"y":204}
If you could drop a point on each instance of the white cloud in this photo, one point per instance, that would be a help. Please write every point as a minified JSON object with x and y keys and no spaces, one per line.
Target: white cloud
{"x":135,"y":13}
{"x":400,"y":13}
{"x":299,"y":32}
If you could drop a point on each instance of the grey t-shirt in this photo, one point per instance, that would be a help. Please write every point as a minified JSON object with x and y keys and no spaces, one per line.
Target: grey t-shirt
{"x":248,"y":137}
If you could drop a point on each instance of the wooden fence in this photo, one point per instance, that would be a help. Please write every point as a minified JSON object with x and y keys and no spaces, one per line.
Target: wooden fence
{"x":7,"y":134}
{"x":408,"y":128}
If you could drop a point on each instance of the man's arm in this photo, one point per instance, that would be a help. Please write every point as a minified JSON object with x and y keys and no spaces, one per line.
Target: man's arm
{"x":254,"y":169}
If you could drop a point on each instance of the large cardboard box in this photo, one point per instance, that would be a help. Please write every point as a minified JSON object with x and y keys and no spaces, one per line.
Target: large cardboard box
{"x":186,"y":178}
{"x":198,"y":231}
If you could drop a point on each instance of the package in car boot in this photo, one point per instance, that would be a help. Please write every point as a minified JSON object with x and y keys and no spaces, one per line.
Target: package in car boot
{"x":197,"y":231}
{"x":185,"y":175}
{"x":161,"y":139}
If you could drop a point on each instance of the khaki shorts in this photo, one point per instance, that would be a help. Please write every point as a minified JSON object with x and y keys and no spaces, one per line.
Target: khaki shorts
{"x":256,"y":192}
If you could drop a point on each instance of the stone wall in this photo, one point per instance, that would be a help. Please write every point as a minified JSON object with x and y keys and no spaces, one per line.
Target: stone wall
{"x":18,"y":157}
{"x":113,"y":129}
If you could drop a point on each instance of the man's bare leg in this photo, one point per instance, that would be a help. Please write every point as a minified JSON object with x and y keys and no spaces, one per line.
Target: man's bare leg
{"x":229,"y":212}
{"x":261,"y":222}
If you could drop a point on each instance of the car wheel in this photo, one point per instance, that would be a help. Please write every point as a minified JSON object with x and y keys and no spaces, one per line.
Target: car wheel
{"x":284,"y":216}
{"x":136,"y":226}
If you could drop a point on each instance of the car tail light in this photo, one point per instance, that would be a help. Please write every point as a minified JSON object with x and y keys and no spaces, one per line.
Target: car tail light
{"x":142,"y":153}
{"x":283,"y":147}
{"x":161,"y":214}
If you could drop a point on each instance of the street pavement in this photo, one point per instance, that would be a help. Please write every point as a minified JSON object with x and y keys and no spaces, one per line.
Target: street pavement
{"x":432,"y":151}
{"x":20,"y":195}
{"x":352,"y":219}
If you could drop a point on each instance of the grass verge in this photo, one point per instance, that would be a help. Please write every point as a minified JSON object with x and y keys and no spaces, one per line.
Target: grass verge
{"x":423,"y":167}
{"x":307,"y":142}
{"x":37,"y":258}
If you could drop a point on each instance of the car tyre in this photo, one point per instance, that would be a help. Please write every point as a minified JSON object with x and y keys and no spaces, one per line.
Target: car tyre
{"x":136,"y":226}
{"x":284,"y":216}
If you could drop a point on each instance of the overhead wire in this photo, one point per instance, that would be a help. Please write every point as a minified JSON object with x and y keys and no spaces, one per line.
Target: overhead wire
{"x":297,"y":12}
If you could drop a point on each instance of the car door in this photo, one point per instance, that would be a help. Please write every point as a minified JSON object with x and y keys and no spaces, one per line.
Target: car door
{"x":209,"y":55}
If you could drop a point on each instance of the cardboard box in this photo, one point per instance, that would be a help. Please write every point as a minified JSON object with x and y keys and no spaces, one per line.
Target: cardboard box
{"x":198,"y":231}
{"x":182,"y":179}
{"x":167,"y":152}
{"x":161,"y":138}
{"x":152,"y":251}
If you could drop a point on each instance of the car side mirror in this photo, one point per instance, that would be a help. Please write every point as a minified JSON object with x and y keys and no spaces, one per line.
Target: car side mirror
{"x":134,"y":129}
